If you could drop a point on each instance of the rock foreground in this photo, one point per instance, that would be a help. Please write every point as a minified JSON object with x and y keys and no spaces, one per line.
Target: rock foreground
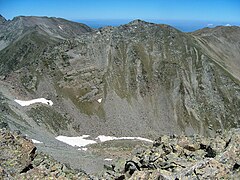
{"x":19,"y":160}
{"x":181,"y":157}
{"x":170,"y":157}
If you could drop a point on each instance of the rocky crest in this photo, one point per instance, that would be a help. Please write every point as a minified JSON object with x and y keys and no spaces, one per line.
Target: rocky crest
{"x":19,"y":160}
{"x":182,"y":157}
{"x":2,"y":19}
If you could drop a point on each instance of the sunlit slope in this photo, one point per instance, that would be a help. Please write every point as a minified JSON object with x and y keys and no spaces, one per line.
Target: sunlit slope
{"x":152,"y":79}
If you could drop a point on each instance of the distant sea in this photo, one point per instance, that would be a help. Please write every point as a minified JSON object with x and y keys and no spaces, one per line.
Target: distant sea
{"x":185,"y":26}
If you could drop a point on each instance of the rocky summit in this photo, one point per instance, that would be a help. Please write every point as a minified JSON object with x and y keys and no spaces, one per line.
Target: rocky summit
{"x":63,"y":78}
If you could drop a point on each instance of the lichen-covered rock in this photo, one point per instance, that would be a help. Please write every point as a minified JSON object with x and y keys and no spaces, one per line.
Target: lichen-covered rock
{"x":19,"y":160}
{"x":182,"y":157}
{"x":16,"y":152}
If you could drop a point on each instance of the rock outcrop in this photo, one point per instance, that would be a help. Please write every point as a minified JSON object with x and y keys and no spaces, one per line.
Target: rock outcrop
{"x":182,"y":157}
{"x":19,"y":160}
{"x":2,"y":19}
{"x":170,"y":157}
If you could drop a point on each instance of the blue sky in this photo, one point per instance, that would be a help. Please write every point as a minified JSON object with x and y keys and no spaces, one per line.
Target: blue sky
{"x":204,"y":10}
{"x":186,"y":15}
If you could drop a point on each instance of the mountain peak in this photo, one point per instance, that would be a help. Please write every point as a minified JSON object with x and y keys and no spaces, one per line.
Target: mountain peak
{"x":138,"y":22}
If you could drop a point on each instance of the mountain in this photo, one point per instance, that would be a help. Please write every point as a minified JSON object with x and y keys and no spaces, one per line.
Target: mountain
{"x":222,"y":44}
{"x":24,"y":35}
{"x":56,"y":28}
{"x":138,"y":79}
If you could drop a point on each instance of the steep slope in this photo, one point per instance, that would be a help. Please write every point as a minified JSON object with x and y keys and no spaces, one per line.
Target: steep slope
{"x":23,"y":40}
{"x":139,"y":79}
{"x":25,"y":52}
{"x":153,"y":79}
{"x":2,"y":19}
{"x":222,"y":44}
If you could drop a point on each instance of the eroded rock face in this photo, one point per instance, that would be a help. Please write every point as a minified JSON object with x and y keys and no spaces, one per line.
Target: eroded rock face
{"x":152,"y":79}
{"x":19,"y":160}
{"x":184,"y":157}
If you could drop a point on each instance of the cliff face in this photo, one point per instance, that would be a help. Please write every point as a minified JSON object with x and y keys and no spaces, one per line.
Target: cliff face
{"x":151,"y":79}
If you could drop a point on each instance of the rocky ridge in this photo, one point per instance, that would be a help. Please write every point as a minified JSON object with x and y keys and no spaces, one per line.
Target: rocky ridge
{"x":2,"y":19}
{"x":182,"y":157}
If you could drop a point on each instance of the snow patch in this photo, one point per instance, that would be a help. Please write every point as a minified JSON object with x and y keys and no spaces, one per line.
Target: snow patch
{"x":36,"y":141}
{"x":33,"y":101}
{"x":228,"y":25}
{"x":107,"y":159}
{"x":82,"y":149}
{"x":104,"y":138}
{"x":79,"y":141}
{"x":60,"y":27}
{"x":99,"y":100}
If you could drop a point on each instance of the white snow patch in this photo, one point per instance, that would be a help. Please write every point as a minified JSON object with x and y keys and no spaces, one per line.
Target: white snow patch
{"x":79,"y":141}
{"x":82,"y":149}
{"x":33,"y":101}
{"x":36,"y":141}
{"x":107,"y":159}
{"x":228,"y":25}
{"x":60,"y":27}
{"x":99,"y":100}
{"x":104,"y":138}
